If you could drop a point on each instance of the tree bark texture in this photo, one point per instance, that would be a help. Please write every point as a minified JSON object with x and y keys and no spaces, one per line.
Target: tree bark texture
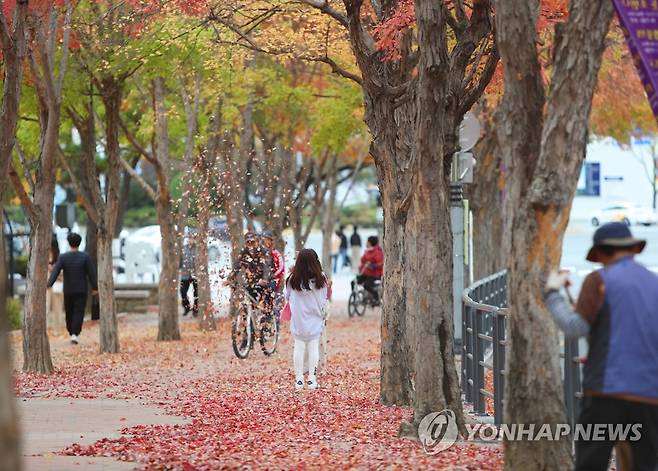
{"x":168,"y":328}
{"x":108,"y":213}
{"x":413,"y":107}
{"x":10,"y":450}
{"x":13,"y":45}
{"x":486,"y":202}
{"x":543,"y":146}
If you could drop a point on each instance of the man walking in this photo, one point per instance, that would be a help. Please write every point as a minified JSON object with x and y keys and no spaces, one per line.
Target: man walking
{"x":78,"y":268}
{"x":355,"y":246}
{"x":617,"y":310}
{"x":343,"y":247}
{"x":188,"y":276}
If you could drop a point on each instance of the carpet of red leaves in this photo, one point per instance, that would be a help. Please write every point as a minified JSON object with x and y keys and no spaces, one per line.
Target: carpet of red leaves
{"x":245,"y":413}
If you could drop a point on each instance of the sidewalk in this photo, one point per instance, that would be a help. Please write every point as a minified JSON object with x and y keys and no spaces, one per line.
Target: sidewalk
{"x":193,"y":405}
{"x":50,"y":425}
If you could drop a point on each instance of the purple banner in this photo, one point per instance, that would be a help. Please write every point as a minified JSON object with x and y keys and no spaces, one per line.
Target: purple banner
{"x":639,"y":21}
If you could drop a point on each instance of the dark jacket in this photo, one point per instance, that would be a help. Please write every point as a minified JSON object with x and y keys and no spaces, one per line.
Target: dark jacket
{"x":78,"y":268}
{"x":188,"y":262}
{"x":355,"y":240}
{"x":343,"y":241}
{"x":255,"y":265}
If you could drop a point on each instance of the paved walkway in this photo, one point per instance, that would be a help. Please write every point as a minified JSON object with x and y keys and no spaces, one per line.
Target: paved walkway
{"x":49,"y":425}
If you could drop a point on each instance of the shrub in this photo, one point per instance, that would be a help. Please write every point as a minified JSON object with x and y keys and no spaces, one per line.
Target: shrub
{"x":14,"y":308}
{"x":20,"y":265}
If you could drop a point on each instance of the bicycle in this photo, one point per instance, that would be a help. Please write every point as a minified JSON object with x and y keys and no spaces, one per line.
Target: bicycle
{"x":360,"y":299}
{"x":252,"y":322}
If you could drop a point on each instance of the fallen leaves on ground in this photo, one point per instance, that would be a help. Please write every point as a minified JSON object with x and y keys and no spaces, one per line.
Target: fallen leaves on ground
{"x":245,"y":413}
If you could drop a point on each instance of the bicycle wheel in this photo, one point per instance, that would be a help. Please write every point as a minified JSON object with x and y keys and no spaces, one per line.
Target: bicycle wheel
{"x":361,"y":303}
{"x":241,"y":333}
{"x":269,"y":333}
{"x":351,"y":304}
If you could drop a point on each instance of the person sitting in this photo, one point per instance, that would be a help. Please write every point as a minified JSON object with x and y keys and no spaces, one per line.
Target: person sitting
{"x":371,"y":269}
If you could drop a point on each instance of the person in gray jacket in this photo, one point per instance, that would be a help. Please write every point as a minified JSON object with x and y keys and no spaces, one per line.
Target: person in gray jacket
{"x":188,"y":276}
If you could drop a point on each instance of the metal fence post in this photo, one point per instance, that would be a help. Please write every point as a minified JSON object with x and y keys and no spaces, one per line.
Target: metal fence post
{"x":571,"y":379}
{"x":467,"y":355}
{"x":478,"y":359}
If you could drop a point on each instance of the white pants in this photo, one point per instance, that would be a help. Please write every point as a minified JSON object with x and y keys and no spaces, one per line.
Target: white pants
{"x":313,"y":358}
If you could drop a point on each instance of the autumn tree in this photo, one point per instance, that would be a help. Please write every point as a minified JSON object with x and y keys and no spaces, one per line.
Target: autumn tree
{"x":47,"y":71}
{"x":415,"y":99}
{"x":542,"y":137}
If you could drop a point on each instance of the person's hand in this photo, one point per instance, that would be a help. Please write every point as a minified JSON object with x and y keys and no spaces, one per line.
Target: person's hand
{"x":94,"y":292}
{"x":557,"y":280}
{"x":226,"y":283}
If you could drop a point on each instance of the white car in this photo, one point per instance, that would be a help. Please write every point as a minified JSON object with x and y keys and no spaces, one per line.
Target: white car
{"x":629,"y":213}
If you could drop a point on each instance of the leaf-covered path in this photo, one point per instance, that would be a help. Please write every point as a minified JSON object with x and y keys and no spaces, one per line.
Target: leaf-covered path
{"x":243,"y":413}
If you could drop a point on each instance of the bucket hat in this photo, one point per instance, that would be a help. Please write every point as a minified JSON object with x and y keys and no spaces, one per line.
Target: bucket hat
{"x":614,"y":234}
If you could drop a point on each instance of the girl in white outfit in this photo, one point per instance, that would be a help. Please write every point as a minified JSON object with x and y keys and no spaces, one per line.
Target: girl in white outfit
{"x":306,"y":292}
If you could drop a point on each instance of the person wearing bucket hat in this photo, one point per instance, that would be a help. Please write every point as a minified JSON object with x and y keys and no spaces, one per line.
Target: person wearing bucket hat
{"x":617,"y":310}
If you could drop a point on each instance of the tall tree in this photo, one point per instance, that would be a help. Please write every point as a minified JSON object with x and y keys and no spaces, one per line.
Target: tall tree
{"x":415,"y":99}
{"x":48,"y":77}
{"x":542,"y":143}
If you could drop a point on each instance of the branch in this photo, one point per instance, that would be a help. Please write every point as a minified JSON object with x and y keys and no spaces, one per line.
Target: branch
{"x":138,"y":147}
{"x":26,"y":167}
{"x":323,"y":6}
{"x":20,"y":192}
{"x":65,"y":47}
{"x":138,"y":178}
{"x":335,"y":68}
{"x":472,"y":95}
{"x":91,"y":210}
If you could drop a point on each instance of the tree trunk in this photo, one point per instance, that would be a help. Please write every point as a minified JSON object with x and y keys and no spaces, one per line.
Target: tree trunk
{"x":395,"y":376}
{"x":123,"y":199}
{"x":109,"y":339}
{"x":36,"y":348}
{"x":108,"y":213}
{"x":10,"y":452}
{"x":486,"y":202}
{"x":168,"y":286}
{"x":329,"y":220}
{"x":13,"y":55}
{"x":206,"y":308}
{"x":543,"y":154}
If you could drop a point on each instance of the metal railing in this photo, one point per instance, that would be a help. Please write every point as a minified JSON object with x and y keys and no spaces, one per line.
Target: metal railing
{"x":483,"y":349}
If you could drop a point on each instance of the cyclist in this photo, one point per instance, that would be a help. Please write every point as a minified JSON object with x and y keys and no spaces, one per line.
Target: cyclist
{"x":255,"y":264}
{"x":371,"y":269}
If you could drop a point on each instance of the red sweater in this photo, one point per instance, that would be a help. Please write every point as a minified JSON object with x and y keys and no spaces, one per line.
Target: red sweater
{"x":372,"y":262}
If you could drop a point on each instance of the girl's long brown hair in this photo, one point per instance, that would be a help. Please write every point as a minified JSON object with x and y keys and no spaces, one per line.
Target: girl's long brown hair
{"x":307,"y":268}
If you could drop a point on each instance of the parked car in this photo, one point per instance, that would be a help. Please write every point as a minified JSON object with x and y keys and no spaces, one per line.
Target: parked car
{"x":629,"y":213}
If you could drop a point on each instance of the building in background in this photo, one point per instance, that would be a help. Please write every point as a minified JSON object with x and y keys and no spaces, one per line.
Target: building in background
{"x":611,"y":174}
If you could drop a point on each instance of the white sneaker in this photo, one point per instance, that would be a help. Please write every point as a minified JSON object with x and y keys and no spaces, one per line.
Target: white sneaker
{"x":312,"y":383}
{"x":75,"y":339}
{"x":299,"y":385}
